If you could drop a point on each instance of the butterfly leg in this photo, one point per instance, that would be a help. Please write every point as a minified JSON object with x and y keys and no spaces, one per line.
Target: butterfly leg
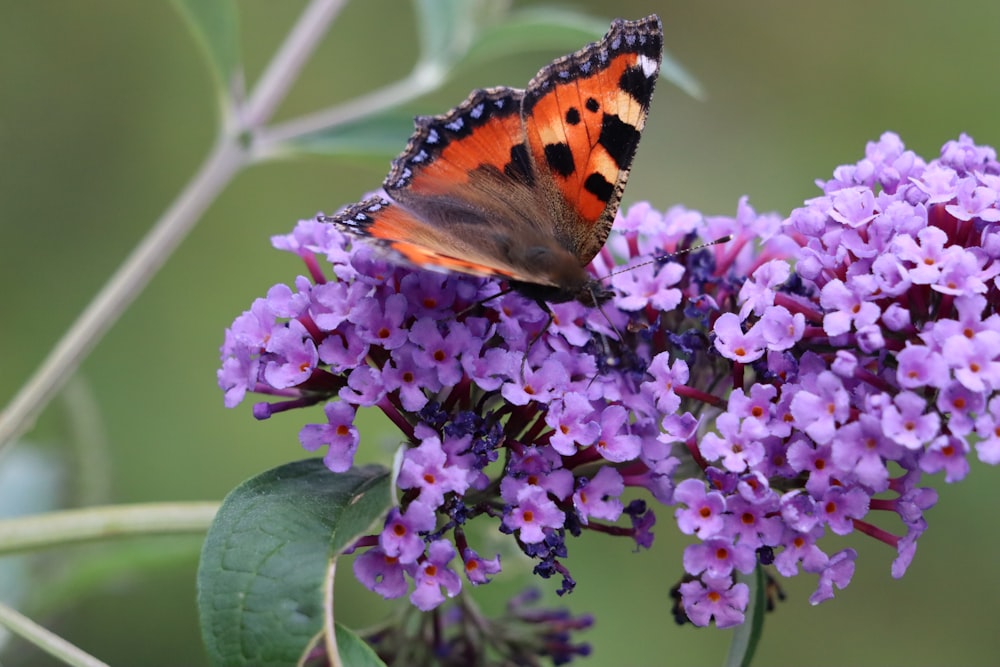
{"x":535,"y":338}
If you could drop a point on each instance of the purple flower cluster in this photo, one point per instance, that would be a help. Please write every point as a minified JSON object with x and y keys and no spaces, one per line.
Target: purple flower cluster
{"x":775,"y":388}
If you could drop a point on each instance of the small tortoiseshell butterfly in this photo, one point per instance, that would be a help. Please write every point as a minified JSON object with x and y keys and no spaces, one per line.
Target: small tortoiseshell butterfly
{"x":523,"y":185}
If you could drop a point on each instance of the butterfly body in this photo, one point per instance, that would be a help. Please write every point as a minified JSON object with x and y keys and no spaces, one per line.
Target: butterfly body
{"x":522,"y":185}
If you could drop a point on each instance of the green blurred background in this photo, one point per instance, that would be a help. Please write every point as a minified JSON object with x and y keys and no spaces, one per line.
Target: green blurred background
{"x":106,"y":108}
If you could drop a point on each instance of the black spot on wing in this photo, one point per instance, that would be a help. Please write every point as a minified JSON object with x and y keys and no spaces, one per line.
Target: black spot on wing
{"x":592,"y":104}
{"x":598,"y":186}
{"x":559,"y":157}
{"x":619,"y":139}
{"x":634,"y":82}
{"x":573,"y":116}
{"x":519,"y":167}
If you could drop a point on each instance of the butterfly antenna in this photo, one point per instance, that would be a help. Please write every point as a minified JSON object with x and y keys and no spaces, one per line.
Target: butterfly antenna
{"x":725,"y":239}
{"x":612,"y":360}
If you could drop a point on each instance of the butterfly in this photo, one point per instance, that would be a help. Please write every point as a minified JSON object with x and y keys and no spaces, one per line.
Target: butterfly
{"x":522,"y":185}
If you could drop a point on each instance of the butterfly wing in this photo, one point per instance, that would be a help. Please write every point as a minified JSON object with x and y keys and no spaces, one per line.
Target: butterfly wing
{"x":421,"y":243}
{"x":512,"y":183}
{"x":583,"y":117}
{"x":460,"y":197}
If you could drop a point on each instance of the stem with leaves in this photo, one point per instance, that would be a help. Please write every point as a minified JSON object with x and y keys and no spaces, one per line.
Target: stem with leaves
{"x":227,"y":158}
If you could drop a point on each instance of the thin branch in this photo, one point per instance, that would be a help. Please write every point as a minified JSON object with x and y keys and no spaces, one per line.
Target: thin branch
{"x":146,"y":259}
{"x":53,"y":644}
{"x":329,"y":628}
{"x":283,"y":70}
{"x":269,"y":142}
{"x":57,"y":529}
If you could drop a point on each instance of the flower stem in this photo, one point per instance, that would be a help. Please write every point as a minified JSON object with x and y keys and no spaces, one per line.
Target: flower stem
{"x":95,"y":523}
{"x":53,"y":644}
{"x":271,"y":143}
{"x":283,"y":70}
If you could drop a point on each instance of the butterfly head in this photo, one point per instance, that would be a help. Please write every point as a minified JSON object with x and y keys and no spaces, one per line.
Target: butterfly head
{"x":557,"y":276}
{"x":590,"y":293}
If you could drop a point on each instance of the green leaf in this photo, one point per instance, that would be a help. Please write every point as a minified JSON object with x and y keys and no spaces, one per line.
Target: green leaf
{"x":747,"y":636}
{"x":674,"y":72}
{"x":215,"y":24}
{"x":354,"y":651}
{"x":542,"y":28}
{"x":448,"y":28}
{"x":262,"y":570}
{"x":381,"y":134}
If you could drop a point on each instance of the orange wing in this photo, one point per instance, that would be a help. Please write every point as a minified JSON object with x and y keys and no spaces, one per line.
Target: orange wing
{"x":522,"y":185}
{"x":584,"y":115}
{"x":415,"y":241}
